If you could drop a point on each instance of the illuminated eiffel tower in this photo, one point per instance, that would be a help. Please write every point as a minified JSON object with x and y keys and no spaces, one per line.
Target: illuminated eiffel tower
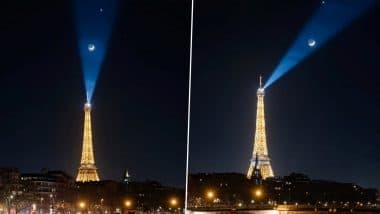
{"x":260,"y":149}
{"x":87,"y":170}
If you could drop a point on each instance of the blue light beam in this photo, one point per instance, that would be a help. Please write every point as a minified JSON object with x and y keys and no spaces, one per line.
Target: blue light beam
{"x":330,"y":18}
{"x":94,"y":20}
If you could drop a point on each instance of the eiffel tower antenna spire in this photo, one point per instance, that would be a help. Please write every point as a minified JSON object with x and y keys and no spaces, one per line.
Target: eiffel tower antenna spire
{"x":261,"y":81}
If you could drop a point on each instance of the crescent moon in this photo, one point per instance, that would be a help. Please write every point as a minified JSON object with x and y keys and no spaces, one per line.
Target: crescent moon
{"x":91,"y":47}
{"x":311,"y":42}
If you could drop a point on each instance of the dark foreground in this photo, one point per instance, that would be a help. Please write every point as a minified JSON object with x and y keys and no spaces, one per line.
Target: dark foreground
{"x":284,"y":209}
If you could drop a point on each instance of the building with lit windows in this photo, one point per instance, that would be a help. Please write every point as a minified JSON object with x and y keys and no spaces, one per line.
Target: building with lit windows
{"x":48,"y":186}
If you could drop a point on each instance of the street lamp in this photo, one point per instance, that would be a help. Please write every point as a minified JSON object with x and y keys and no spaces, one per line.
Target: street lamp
{"x":51,"y":202}
{"x":210,"y":194}
{"x":82,"y":205}
{"x":128,"y":203}
{"x":173,"y":202}
{"x":101,"y":204}
{"x":41,"y":200}
{"x":258,"y":193}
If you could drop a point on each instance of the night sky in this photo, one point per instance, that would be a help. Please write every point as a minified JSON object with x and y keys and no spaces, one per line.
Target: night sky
{"x":140,"y":102}
{"x":322,"y":117}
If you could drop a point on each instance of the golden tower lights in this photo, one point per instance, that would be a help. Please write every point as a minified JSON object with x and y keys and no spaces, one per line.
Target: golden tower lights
{"x":260,"y":149}
{"x":87,"y":170}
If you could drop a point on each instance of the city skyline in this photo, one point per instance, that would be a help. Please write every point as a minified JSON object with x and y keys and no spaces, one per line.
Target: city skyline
{"x":139,"y":104}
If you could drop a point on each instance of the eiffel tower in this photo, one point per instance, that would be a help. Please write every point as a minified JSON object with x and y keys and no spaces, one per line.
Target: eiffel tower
{"x":260,"y":149}
{"x":87,"y":171}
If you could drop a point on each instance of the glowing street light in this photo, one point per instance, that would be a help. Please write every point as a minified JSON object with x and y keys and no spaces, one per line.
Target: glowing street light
{"x":82,"y":204}
{"x":128,"y":203}
{"x":173,"y":202}
{"x":258,"y":193}
{"x":210,"y":194}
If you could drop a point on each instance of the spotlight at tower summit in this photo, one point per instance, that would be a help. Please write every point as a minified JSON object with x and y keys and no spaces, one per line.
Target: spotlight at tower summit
{"x":329,"y":19}
{"x":93,"y":21}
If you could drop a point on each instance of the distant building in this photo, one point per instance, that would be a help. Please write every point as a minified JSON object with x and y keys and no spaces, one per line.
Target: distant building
{"x":234,"y":189}
{"x":48,"y":186}
{"x":127,"y":177}
{"x":56,"y":191}
{"x":228,"y":189}
{"x":147,"y":196}
{"x":9,"y":178}
{"x":153,"y":196}
{"x":10,"y":186}
{"x":9,"y":175}
{"x":110,"y":191}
